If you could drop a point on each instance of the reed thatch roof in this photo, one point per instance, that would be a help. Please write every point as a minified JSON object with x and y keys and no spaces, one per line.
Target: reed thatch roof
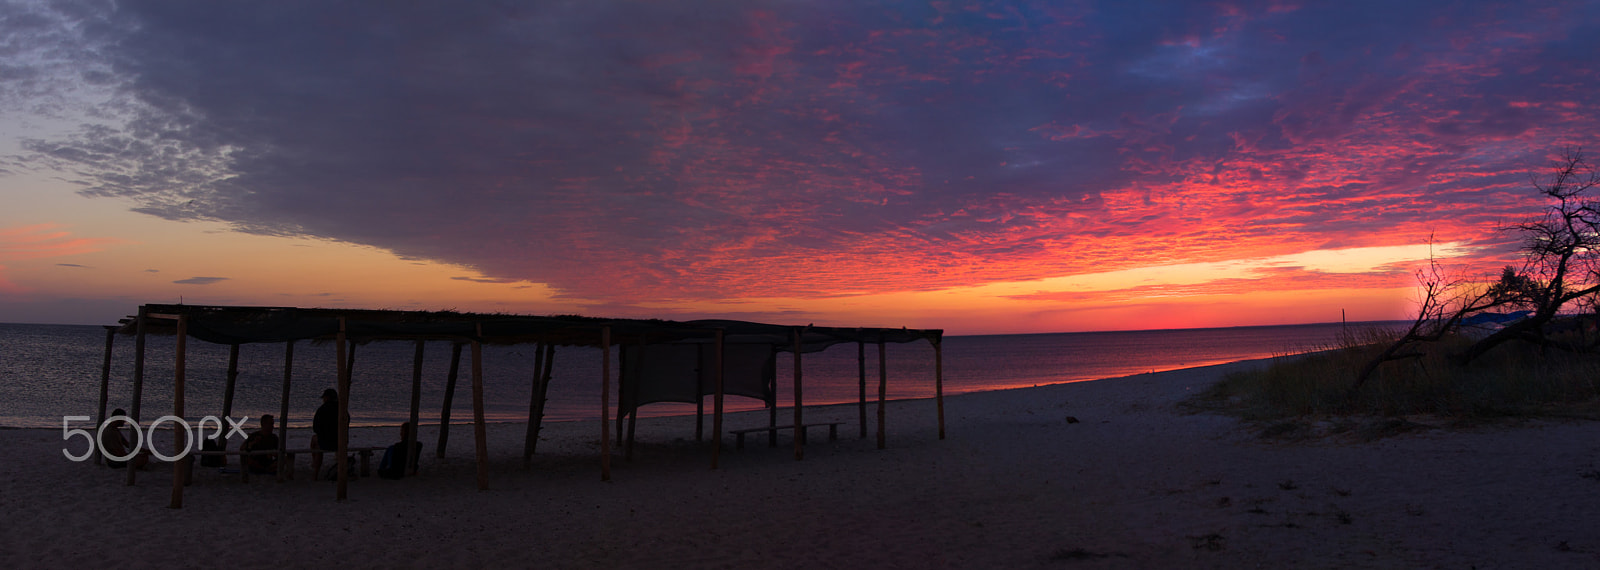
{"x":243,"y":325}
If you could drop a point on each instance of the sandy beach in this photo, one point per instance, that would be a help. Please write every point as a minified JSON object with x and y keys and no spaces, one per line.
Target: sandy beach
{"x":1134,"y":483}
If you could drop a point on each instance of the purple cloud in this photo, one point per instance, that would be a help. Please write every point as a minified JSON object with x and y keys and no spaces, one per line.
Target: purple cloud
{"x":636,"y":150}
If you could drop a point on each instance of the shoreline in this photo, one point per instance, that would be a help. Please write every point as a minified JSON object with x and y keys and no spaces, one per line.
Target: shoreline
{"x":871,"y":403}
{"x":1132,"y":483}
{"x":971,"y":364}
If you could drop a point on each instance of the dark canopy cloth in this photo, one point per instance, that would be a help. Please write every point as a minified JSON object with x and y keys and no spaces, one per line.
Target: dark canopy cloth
{"x":683,"y":372}
{"x":243,"y":325}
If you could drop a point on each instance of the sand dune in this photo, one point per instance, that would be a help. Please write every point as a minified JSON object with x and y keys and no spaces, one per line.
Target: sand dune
{"x":1134,"y":484}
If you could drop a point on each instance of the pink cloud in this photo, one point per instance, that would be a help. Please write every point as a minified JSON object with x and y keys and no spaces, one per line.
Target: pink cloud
{"x":41,"y":241}
{"x":44,"y":241}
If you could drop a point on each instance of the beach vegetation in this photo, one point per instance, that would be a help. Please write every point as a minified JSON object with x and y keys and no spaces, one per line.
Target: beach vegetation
{"x":1308,"y":395}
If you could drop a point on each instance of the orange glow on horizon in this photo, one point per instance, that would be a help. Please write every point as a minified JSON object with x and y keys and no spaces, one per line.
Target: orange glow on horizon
{"x":223,"y":267}
{"x":1359,"y":284}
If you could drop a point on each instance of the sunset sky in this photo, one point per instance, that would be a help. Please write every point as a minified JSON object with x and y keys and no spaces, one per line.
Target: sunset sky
{"x":981,"y":167}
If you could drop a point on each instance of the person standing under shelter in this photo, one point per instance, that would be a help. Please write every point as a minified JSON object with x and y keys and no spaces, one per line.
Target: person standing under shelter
{"x":324,"y":430}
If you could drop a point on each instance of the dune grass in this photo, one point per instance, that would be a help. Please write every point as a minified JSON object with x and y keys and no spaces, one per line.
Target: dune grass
{"x":1514,"y":380}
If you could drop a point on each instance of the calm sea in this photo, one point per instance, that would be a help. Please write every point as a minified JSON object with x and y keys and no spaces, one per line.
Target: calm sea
{"x":50,"y":371}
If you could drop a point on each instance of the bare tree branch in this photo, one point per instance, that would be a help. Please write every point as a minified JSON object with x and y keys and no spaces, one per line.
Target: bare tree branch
{"x":1562,"y":254}
{"x":1444,"y":302}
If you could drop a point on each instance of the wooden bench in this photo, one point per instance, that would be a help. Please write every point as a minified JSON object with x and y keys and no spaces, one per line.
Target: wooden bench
{"x":833,"y":432}
{"x":244,"y":471}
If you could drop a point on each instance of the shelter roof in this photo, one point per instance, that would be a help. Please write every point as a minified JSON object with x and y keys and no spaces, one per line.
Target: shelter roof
{"x":241,"y":325}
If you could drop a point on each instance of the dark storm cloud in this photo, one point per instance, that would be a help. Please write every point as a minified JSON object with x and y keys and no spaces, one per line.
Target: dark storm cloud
{"x":666,"y":150}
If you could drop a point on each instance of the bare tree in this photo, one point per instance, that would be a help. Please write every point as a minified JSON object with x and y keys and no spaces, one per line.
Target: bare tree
{"x":1562,"y":249}
{"x":1561,"y":267}
{"x":1445,"y":300}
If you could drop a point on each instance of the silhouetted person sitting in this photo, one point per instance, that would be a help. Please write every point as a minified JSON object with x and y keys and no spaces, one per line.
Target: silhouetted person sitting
{"x":116,"y":445}
{"x":263,"y":439}
{"x":397,"y":457}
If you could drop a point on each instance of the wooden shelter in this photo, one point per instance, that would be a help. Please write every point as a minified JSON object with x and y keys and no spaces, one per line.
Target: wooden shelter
{"x":653,"y":366}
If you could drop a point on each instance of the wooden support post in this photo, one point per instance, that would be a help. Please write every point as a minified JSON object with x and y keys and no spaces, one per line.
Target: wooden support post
{"x":350,"y":359}
{"x":716,"y":403}
{"x":622,"y":396}
{"x":449,"y":398}
{"x":233,"y":378}
{"x":533,"y":405}
{"x":544,"y":391}
{"x":285,"y":470}
{"x":344,"y":363}
{"x":799,"y":404}
{"x":411,"y":447}
{"x":105,"y":387}
{"x":138,"y":375}
{"x":605,"y":403}
{"x":633,"y":415}
{"x":699,"y":398}
{"x":180,"y":471}
{"x":883,"y":391}
{"x":861,"y":375}
{"x":772,"y":406}
{"x":480,"y":433}
{"x":633,"y":422}
{"x":938,"y":383}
